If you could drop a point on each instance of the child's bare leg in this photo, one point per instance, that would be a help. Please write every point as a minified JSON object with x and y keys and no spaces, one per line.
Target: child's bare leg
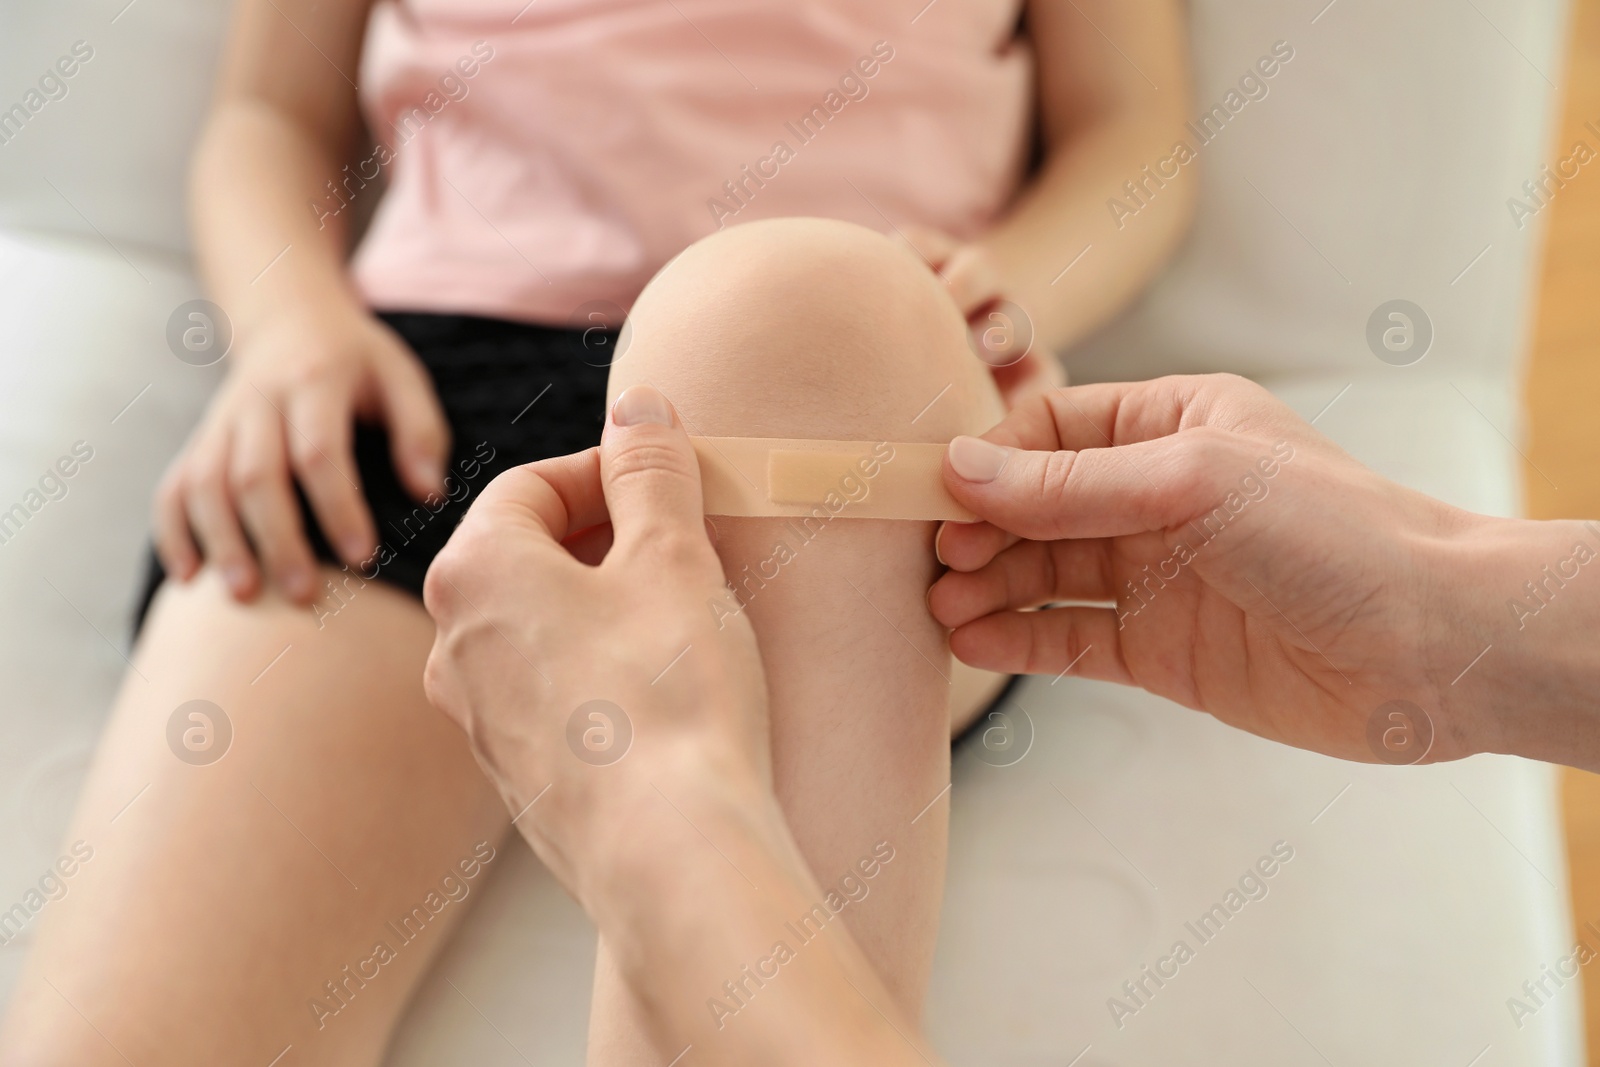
{"x":810,"y":328}
{"x":220,"y":898}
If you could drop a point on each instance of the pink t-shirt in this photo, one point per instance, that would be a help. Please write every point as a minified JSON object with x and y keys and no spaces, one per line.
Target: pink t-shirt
{"x":543,"y":155}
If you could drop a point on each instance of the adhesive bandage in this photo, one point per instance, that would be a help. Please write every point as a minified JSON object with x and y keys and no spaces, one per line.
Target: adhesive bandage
{"x":770,"y":476}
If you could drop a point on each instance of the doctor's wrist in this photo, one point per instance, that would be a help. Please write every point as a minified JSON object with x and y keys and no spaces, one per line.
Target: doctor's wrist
{"x":678,"y":816}
{"x":1524,"y":623}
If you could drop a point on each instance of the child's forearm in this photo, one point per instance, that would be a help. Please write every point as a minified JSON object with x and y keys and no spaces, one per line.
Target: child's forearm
{"x":260,"y":246}
{"x":1063,"y":255}
{"x":284,"y":120}
{"x":1113,"y":97}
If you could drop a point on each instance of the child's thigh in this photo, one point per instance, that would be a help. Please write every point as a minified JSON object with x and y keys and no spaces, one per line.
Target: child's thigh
{"x":272,"y":866}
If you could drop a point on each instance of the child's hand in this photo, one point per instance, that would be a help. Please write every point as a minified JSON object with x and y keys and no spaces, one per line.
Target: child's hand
{"x":1002,"y":333}
{"x":286,"y":414}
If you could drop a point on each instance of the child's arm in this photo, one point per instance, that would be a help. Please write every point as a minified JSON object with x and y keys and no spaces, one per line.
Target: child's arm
{"x":307,"y":356}
{"x":283,"y":121}
{"x":1113,"y":98}
{"x":1113,"y":95}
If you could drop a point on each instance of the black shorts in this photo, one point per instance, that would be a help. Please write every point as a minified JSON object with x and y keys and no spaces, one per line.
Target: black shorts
{"x":513,"y":393}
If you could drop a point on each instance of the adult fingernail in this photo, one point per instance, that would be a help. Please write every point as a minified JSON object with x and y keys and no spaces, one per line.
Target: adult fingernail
{"x":640,"y":404}
{"x":938,"y":544}
{"x":977,"y":460}
{"x":236,"y":576}
{"x":354,"y":549}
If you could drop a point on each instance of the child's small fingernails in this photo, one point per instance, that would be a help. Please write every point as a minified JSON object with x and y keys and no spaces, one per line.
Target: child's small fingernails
{"x":236,"y":576}
{"x":429,"y":472}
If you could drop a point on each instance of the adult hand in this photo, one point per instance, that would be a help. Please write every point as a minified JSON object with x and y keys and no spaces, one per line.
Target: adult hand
{"x":665,"y":829}
{"x":286,"y":413}
{"x":532,"y":635}
{"x":1001,"y":332}
{"x":1259,"y":572}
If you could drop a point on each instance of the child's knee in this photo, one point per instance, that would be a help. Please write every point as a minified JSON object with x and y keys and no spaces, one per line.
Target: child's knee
{"x":807,"y":328}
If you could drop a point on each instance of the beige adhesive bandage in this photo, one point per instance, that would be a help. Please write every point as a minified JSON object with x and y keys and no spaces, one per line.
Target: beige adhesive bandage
{"x":770,"y":476}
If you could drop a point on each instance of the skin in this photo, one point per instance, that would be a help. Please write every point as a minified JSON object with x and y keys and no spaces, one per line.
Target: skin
{"x":1329,"y":594}
{"x":1100,"y":121}
{"x":1071,"y":488}
{"x":308,"y":361}
{"x":806,"y":327}
{"x":309,"y":358}
{"x":699,"y":762}
{"x":225,"y":895}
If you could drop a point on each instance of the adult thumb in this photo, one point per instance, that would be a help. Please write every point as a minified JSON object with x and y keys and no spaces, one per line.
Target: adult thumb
{"x":650,"y":476}
{"x":1095,"y":492}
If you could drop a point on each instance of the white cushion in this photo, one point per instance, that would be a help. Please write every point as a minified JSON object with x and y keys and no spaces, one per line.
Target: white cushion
{"x":1377,"y":168}
{"x":1415,"y":905}
{"x":93,"y":260}
{"x":85,"y":359}
{"x":107,"y":160}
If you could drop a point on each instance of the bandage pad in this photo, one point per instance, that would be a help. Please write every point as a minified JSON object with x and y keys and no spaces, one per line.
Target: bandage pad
{"x":769,"y":476}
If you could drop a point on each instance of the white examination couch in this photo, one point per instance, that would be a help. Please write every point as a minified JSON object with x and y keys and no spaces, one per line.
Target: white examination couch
{"x":1416,"y":901}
